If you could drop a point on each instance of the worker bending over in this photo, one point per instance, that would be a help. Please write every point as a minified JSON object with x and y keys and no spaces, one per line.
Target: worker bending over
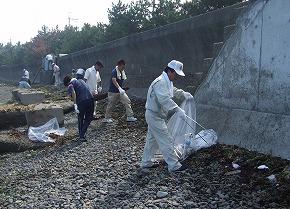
{"x":159,"y":107}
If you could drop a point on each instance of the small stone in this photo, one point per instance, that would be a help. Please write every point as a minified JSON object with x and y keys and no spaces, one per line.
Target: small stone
{"x":161,"y":194}
{"x":220,"y":195}
{"x":189,"y":203}
{"x":102,"y":192}
{"x":137,"y":195}
{"x":175,"y":203}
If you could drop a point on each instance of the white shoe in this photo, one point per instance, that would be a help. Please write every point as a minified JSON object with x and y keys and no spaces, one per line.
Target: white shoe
{"x":131,"y":119}
{"x":108,"y":120}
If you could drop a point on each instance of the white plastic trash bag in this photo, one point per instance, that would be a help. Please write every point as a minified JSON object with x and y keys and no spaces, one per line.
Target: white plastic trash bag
{"x":203,"y":139}
{"x":192,"y":143}
{"x":177,"y":127}
{"x":185,"y":141}
{"x":41,"y":133}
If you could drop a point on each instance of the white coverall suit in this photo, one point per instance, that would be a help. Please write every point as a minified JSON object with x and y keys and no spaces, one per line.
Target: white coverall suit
{"x":56,"y":73}
{"x":159,"y":103}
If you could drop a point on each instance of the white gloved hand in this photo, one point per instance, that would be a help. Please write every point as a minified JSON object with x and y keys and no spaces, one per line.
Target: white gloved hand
{"x":181,"y":113}
{"x":100,"y":89}
{"x":76,"y":109}
{"x":187,"y":95}
{"x":122,"y":91}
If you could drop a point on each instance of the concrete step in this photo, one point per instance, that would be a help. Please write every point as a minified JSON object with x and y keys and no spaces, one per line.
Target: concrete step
{"x":217,"y":47}
{"x":199,"y":75}
{"x":43,"y":113}
{"x":228,"y":30}
{"x":236,"y":12}
{"x":28,"y":96}
{"x":207,"y":63}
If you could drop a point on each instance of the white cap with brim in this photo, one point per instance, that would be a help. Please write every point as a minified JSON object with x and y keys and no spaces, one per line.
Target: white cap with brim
{"x":177,"y":66}
{"x":80,"y":71}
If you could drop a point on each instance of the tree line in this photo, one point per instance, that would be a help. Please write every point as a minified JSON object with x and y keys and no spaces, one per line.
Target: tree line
{"x":124,"y":19}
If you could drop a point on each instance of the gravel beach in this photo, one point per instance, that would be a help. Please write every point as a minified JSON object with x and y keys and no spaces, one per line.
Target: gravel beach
{"x":104,"y":172}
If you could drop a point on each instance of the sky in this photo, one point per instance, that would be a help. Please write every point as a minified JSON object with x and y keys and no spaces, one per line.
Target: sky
{"x":20,"y":20}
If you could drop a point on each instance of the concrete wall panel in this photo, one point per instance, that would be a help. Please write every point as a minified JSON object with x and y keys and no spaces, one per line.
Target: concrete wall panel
{"x":275,"y":60}
{"x":258,"y":131}
{"x":245,"y":96}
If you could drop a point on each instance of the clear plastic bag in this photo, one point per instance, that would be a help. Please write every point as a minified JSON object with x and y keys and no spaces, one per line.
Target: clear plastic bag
{"x":185,"y":140}
{"x":41,"y":133}
{"x":178,"y":127}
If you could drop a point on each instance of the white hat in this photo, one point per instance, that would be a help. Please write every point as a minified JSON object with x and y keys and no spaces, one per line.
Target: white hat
{"x":80,"y":71}
{"x":177,"y":66}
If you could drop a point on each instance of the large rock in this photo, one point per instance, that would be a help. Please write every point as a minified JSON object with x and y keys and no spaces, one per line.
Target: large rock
{"x":43,"y":113}
{"x":28,"y":96}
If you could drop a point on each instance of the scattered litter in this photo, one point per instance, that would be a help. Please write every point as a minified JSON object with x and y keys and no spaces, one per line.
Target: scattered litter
{"x":272,"y":179}
{"x":263,"y":167}
{"x":235,"y":165}
{"x":43,"y":133}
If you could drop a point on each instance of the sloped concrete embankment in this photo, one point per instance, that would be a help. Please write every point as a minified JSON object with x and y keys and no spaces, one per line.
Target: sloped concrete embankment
{"x":245,"y":96}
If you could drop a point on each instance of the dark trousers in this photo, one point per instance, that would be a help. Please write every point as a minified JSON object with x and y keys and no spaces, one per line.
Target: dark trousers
{"x":85,"y":116}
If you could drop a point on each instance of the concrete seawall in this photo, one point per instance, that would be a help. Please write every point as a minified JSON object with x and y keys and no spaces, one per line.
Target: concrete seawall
{"x":245,"y":96}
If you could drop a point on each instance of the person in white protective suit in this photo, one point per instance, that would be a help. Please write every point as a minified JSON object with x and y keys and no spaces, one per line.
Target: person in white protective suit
{"x":56,"y":73}
{"x":159,"y":107}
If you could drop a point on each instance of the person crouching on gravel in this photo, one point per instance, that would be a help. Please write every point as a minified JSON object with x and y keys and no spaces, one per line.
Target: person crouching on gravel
{"x":83,"y":100}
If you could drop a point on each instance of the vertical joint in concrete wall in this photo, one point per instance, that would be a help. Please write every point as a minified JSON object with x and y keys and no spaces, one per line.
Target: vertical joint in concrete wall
{"x":260,"y":61}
